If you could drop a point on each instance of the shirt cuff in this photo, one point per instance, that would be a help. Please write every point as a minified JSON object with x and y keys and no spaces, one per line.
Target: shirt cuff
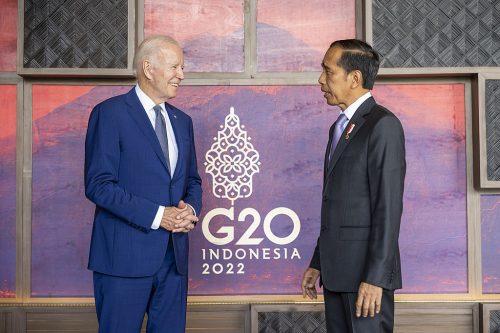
{"x":157,"y":220}
{"x":194,"y":211}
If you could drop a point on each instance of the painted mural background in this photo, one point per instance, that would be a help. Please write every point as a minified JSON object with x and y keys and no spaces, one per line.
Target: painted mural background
{"x":8,"y":35}
{"x":288,"y":126}
{"x":490,"y":230}
{"x":212,"y":33}
{"x":8,"y":191}
{"x":298,"y":44}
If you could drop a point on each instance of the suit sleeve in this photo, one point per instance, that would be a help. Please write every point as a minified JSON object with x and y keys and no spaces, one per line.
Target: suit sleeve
{"x":102,"y":162}
{"x":386,"y":173}
{"x":193,"y":184}
{"x":315,"y":262}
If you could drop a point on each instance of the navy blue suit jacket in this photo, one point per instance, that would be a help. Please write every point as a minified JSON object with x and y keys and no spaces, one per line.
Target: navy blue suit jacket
{"x":126,"y":176}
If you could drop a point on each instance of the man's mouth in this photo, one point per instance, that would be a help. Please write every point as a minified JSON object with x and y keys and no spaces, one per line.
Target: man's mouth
{"x":175,"y":84}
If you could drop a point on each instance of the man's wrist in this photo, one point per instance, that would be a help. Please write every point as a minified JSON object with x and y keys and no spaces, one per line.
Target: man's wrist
{"x":157,"y":220}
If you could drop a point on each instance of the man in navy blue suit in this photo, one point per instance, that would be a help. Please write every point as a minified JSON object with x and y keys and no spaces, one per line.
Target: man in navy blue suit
{"x":141,"y":173}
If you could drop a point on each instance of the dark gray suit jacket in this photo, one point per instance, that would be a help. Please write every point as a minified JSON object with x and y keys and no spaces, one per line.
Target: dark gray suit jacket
{"x":362,"y":203}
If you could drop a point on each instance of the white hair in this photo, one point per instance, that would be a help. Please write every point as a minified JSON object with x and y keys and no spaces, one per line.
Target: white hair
{"x":149,"y":48}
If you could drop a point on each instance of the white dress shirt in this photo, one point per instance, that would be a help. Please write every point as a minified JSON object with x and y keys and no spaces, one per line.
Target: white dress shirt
{"x":173,"y":151}
{"x":351,"y":109}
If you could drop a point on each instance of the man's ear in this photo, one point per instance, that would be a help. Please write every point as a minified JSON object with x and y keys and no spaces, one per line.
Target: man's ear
{"x":357,"y":79}
{"x":147,"y":69}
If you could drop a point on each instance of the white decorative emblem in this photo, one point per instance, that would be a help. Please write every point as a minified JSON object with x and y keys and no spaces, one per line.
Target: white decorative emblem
{"x":232,"y":160}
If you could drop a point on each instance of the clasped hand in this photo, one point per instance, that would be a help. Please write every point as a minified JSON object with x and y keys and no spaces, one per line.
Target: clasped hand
{"x":178,"y":219}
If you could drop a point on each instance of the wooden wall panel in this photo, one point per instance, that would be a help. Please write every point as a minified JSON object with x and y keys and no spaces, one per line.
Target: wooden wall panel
{"x":438,"y":318}
{"x":58,"y":322}
{"x":82,"y":319}
{"x":409,"y":317}
{"x":5,"y":321}
{"x":218,"y":318}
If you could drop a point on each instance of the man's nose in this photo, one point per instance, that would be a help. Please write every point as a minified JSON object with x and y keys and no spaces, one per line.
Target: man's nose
{"x":180,"y":73}
{"x":321,"y":79}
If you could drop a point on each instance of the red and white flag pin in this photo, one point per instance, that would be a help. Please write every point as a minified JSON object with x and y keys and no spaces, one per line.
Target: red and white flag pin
{"x":349,"y":130}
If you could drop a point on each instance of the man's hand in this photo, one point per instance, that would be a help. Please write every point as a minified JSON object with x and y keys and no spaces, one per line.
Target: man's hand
{"x":178,"y":219}
{"x":369,"y":300}
{"x":311,"y":276}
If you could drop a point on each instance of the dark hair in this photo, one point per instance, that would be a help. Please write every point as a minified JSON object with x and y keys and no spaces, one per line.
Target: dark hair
{"x":358,"y":55}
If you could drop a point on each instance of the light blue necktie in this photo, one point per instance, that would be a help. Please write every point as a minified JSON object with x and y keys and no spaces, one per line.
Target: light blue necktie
{"x":337,"y":132}
{"x":161,"y":133}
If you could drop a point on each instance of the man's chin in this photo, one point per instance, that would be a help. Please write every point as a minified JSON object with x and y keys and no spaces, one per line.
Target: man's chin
{"x":330,"y":102}
{"x":172,"y":93}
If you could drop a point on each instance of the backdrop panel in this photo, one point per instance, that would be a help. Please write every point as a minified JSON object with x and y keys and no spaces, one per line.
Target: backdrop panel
{"x":298,"y":44}
{"x":8,"y":191}
{"x":433,"y":237}
{"x":262,"y":169}
{"x":8,"y":35}
{"x":490,"y":230}
{"x":210,"y":32}
{"x":61,"y":215}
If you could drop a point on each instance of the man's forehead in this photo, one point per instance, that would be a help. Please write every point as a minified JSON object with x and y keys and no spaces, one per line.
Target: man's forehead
{"x":170,"y":51}
{"x":330,"y":58}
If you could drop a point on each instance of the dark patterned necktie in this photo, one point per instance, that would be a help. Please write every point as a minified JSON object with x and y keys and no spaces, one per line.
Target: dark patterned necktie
{"x":161,"y":133}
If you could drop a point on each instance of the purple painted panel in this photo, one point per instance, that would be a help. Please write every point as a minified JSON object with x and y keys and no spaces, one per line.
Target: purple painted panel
{"x":8,"y":191}
{"x":210,"y":32}
{"x":298,"y":44}
{"x":61,"y":215}
{"x":249,"y":241}
{"x":490,"y":230}
{"x":433,"y":238}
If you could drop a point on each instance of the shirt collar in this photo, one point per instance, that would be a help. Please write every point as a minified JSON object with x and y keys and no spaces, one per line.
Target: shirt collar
{"x":351,"y":109}
{"x":146,"y":101}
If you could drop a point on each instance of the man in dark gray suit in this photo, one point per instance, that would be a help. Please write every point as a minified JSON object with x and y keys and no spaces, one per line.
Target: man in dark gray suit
{"x":357,"y":254}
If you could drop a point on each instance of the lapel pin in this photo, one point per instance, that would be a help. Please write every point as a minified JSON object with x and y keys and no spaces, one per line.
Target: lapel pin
{"x":349,"y":130}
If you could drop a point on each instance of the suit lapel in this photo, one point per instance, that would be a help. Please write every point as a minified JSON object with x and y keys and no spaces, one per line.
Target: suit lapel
{"x":174,"y":121}
{"x":137,"y":112}
{"x":357,"y":121}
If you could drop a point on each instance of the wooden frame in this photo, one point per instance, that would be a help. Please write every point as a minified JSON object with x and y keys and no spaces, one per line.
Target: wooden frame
{"x":250,"y":52}
{"x":24,"y":229}
{"x":418,"y":307}
{"x":480,"y":145}
{"x":485,"y":312}
{"x":78,"y":72}
{"x":473,"y":77}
